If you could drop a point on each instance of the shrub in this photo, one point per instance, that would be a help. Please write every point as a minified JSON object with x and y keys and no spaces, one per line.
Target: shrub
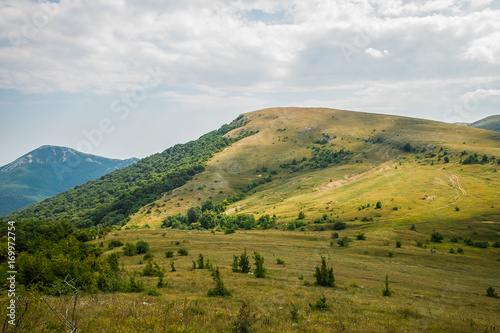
{"x":134,"y":286}
{"x":481,"y":245}
{"x":149,"y":270}
{"x":378,"y":205}
{"x":142,"y":247}
{"x":152,"y":292}
{"x":260,"y":271}
{"x":320,"y":305}
{"x":413,"y":227}
{"x":114,"y":243}
{"x":182,"y":252}
{"x":436,"y":237}
{"x":457,"y":209}
{"x":148,"y":256}
{"x":324,"y":275}
{"x":390,"y":254}
{"x":339,"y":225}
{"x":228,"y":231}
{"x":169,"y":254}
{"x":344,"y":242}
{"x":420,"y":243}
{"x":399,"y":244}
{"x":129,"y":249}
{"x":112,"y":260}
{"x":360,"y":236}
{"x":219,"y":289}
{"x":454,"y":239}
{"x":386,"y":291}
{"x":244,"y":263}
{"x":497,"y":243}
{"x":302,"y":215}
{"x":245,"y":319}
{"x":172,"y":266}
{"x":335,"y":235}
{"x":200,"y":262}
{"x":452,"y":251}
{"x":236,"y":264}
{"x":490,"y":292}
{"x":280,"y":262}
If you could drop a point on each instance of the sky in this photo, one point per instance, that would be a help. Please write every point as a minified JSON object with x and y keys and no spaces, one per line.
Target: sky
{"x":125,"y":78}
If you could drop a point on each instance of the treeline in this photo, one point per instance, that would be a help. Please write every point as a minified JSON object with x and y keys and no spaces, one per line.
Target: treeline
{"x":111,"y":199}
{"x":49,"y":252}
{"x":211,"y":216}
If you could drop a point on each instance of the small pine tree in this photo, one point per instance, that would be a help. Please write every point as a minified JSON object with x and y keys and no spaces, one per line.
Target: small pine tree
{"x":244,"y":263}
{"x":490,"y":292}
{"x":260,"y":271}
{"x":324,"y":275}
{"x":302,"y":215}
{"x":160,"y":272}
{"x":378,"y":205}
{"x":201,"y":262}
{"x":172,"y":266}
{"x":219,"y":289}
{"x":236,"y":264}
{"x":386,"y":292}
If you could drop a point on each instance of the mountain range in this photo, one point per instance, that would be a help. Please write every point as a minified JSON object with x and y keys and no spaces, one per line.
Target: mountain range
{"x":47,"y":171}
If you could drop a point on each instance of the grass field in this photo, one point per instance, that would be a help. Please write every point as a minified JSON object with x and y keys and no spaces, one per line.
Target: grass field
{"x":433,"y":290}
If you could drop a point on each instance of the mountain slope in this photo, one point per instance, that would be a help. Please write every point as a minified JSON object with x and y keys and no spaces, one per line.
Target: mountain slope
{"x":397,"y":160}
{"x":110,"y":199}
{"x":491,"y":123}
{"x":49,"y":170}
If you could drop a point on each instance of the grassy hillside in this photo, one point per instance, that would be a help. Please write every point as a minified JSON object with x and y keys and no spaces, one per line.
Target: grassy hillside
{"x":396,"y":160}
{"x":491,"y":123}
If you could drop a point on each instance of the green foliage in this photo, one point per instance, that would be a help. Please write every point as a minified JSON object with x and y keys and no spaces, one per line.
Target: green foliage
{"x":481,"y":245}
{"x":280,"y":261}
{"x":320,"y":305}
{"x":436,"y":237}
{"x":152,"y":292}
{"x":457,"y":209}
{"x":129,"y":249}
{"x":169,"y":254}
{"x":324,"y":275}
{"x":172,"y":266}
{"x":490,"y":292}
{"x":335,"y":235}
{"x":182,"y":252}
{"x":413,"y":227}
{"x":471,"y":159}
{"x":235,"y":267}
{"x":134,"y":286}
{"x":149,"y":269}
{"x":378,"y":205}
{"x":219,"y":289}
{"x":339,"y":225}
{"x":114,"y":243}
{"x":148,"y":256}
{"x":260,"y":271}
{"x":344,"y":242}
{"x":200,"y":262}
{"x":386,"y":291}
{"x":301,"y":215}
{"x":496,"y":244}
{"x":361,"y":236}
{"x":294,"y":312}
{"x":113,"y":262}
{"x":142,"y":247}
{"x":399,"y":244}
{"x":244,"y":263}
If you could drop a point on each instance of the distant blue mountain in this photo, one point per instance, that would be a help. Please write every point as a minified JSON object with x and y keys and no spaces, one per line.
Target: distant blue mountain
{"x":47,"y":171}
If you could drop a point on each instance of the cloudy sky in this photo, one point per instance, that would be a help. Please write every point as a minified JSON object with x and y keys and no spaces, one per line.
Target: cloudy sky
{"x":123,"y":78}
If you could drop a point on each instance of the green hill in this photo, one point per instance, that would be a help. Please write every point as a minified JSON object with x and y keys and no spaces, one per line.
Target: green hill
{"x":396,"y":160}
{"x":491,"y":123}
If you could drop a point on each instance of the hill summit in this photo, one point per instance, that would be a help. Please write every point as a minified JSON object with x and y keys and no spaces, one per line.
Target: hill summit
{"x":49,"y":170}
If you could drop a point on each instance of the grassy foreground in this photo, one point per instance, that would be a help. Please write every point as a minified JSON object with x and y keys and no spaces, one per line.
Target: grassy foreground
{"x":433,"y":290}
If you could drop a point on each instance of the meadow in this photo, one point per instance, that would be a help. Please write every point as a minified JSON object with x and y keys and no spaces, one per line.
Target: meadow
{"x":433,"y":290}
